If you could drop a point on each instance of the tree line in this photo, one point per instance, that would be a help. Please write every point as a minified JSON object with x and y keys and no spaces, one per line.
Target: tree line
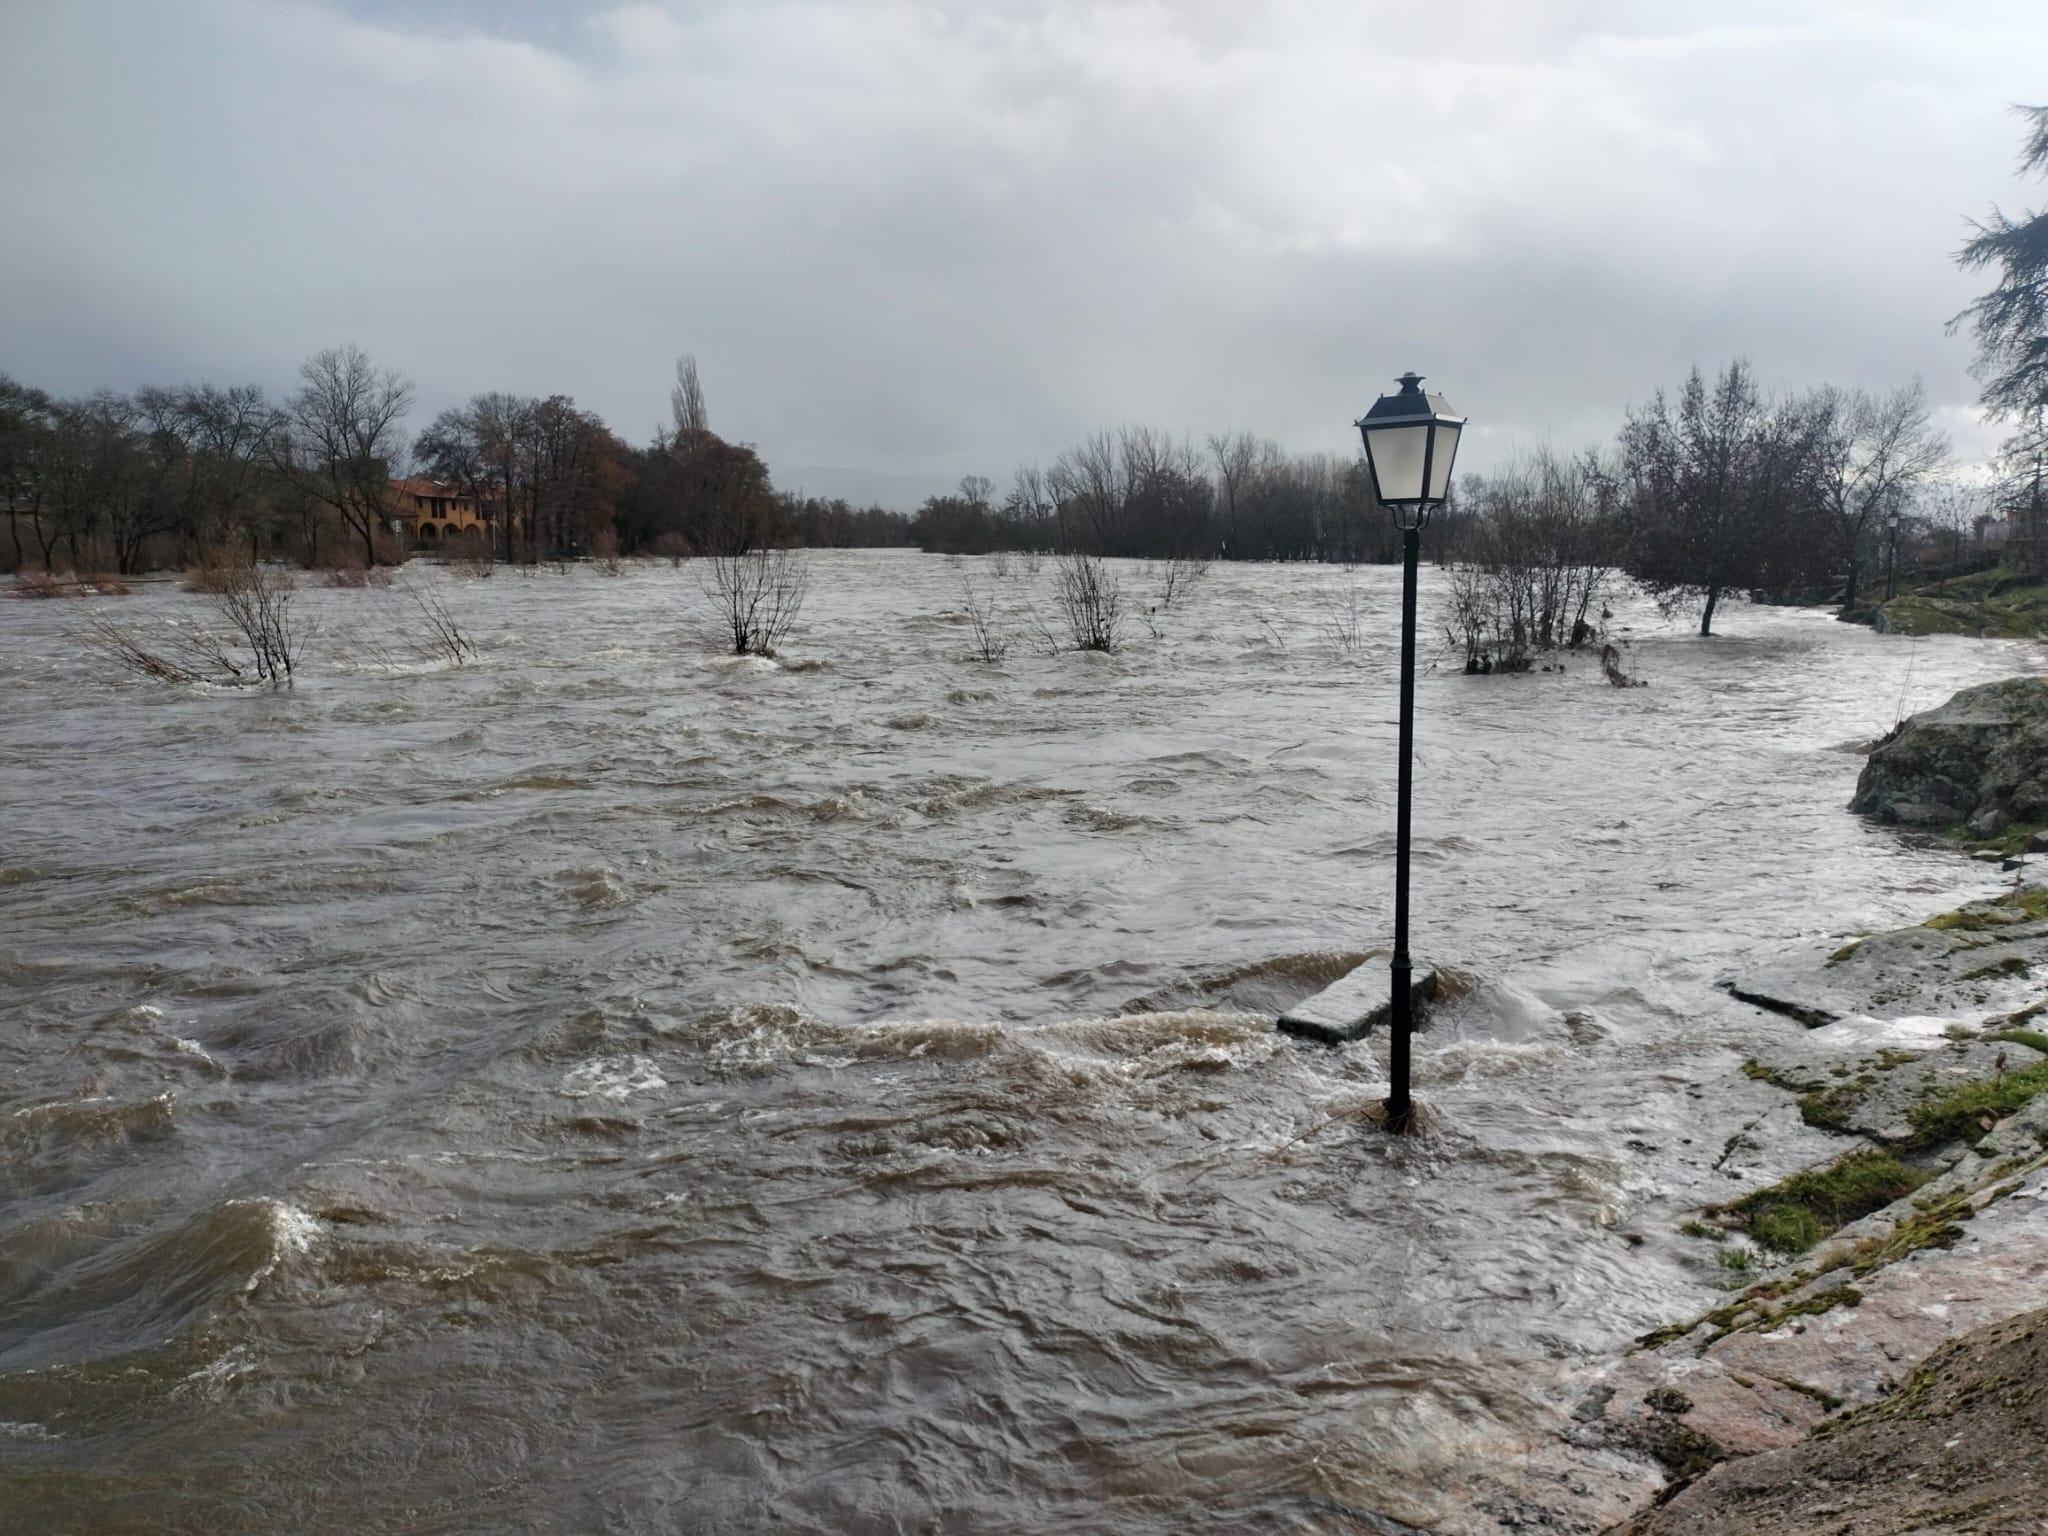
{"x":1141,"y":492}
{"x":175,"y":476}
{"x":1715,"y":487}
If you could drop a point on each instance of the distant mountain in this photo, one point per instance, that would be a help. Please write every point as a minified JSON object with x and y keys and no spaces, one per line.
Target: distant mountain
{"x":863,"y":487}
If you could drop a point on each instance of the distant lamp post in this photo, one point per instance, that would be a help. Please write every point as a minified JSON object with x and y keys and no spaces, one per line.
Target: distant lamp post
{"x":1410,"y":440}
{"x":1891,"y":560}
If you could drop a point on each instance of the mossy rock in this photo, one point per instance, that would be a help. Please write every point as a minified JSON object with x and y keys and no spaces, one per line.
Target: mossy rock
{"x":1955,"y":1449}
{"x":1909,"y":1099}
{"x":1989,"y":605}
{"x":1982,"y":956}
{"x":1984,"y":750}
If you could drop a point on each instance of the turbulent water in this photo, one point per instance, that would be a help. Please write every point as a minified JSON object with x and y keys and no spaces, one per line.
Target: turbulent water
{"x":610,"y":1086}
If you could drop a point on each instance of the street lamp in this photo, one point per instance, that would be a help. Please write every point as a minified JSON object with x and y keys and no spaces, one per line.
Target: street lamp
{"x":1891,"y":563}
{"x":1410,"y":440}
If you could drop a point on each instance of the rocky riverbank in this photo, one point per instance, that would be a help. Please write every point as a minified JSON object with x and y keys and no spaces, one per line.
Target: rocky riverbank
{"x":1882,"y":1370}
{"x":1815,"y":1399}
{"x":1979,"y":762}
{"x":1991,"y":605}
{"x":1952,"y":1449}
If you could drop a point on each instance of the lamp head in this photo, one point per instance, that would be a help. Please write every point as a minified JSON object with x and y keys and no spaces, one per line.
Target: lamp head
{"x":1411,"y":441}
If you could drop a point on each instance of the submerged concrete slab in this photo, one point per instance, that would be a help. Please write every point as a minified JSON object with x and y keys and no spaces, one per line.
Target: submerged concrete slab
{"x":1357,"y":1002}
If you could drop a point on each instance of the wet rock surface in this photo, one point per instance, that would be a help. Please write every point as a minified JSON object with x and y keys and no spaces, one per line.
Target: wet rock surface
{"x":1955,"y":1448}
{"x":1985,"y":751}
{"x":1983,"y":958}
{"x":1987,"y":604}
{"x":1888,"y":1378}
{"x":1846,"y":1325}
{"x":1846,"y":1085}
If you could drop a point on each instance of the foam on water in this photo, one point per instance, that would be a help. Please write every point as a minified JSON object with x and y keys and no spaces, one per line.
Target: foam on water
{"x":1861,"y":1032}
{"x":613,"y":1078}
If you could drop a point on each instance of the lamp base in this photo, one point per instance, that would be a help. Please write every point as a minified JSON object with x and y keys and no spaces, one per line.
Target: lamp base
{"x":1418,"y":1122}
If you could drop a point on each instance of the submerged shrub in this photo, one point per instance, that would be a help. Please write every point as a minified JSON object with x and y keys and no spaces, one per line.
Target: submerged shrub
{"x":257,"y":640}
{"x":359,"y":576}
{"x":1091,"y":600}
{"x":757,"y":596}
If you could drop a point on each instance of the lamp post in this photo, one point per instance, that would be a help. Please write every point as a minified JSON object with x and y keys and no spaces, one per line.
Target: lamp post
{"x":1410,"y":440}
{"x":1891,"y":559}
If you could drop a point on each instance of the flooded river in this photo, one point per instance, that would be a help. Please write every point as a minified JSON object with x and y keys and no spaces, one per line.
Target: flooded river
{"x":612,"y":1087}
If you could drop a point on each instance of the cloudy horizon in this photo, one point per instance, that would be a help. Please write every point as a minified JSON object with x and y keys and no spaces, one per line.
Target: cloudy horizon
{"x":911,"y":242}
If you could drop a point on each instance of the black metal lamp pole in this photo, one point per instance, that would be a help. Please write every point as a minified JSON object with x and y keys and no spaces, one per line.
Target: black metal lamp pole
{"x":1398,"y":1104}
{"x":1411,"y":440}
{"x":1891,"y":562}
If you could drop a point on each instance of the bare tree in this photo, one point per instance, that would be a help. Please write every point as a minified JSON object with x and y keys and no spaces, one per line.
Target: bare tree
{"x":757,"y":596}
{"x":978,"y":491}
{"x":985,"y":617}
{"x":1091,"y":601}
{"x":260,"y":641}
{"x":114,"y":490}
{"x":1031,"y":511}
{"x":1541,"y":538}
{"x":1957,"y":512}
{"x":339,"y":437}
{"x":1088,"y":485}
{"x":503,"y":425}
{"x":226,"y":430}
{"x":1722,"y":488}
{"x":454,"y":449}
{"x":159,"y":482}
{"x":686,"y":400}
{"x":27,"y":431}
{"x":1237,"y":459}
{"x":1871,"y":454}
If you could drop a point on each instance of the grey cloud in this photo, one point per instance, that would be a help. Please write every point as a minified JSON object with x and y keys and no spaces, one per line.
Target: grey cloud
{"x":918,"y":241}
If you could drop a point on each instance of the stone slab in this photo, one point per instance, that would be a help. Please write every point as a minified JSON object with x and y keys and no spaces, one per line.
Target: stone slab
{"x":1357,"y":1002}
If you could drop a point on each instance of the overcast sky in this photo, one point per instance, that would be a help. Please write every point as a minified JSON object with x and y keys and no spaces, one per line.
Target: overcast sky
{"x":923,"y":240}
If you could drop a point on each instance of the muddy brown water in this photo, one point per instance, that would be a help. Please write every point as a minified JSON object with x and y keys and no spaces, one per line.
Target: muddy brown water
{"x":613,"y":1087}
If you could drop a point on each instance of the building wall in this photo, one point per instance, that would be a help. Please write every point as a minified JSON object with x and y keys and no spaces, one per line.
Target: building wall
{"x":432,"y":513}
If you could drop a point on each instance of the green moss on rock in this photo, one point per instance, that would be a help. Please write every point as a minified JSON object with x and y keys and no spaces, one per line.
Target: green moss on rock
{"x":1792,"y":1215}
{"x":1966,"y":1111}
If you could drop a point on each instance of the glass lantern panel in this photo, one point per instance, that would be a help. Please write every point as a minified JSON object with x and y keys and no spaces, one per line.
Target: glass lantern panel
{"x":1397,"y":459}
{"x":1440,"y":462}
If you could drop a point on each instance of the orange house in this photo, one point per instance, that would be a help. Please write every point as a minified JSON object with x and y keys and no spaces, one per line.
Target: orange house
{"x":434,"y":511}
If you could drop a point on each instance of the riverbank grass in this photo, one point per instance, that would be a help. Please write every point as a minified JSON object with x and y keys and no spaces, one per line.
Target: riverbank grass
{"x":1792,"y":1215}
{"x":1966,"y":1111}
{"x":2030,"y":904}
